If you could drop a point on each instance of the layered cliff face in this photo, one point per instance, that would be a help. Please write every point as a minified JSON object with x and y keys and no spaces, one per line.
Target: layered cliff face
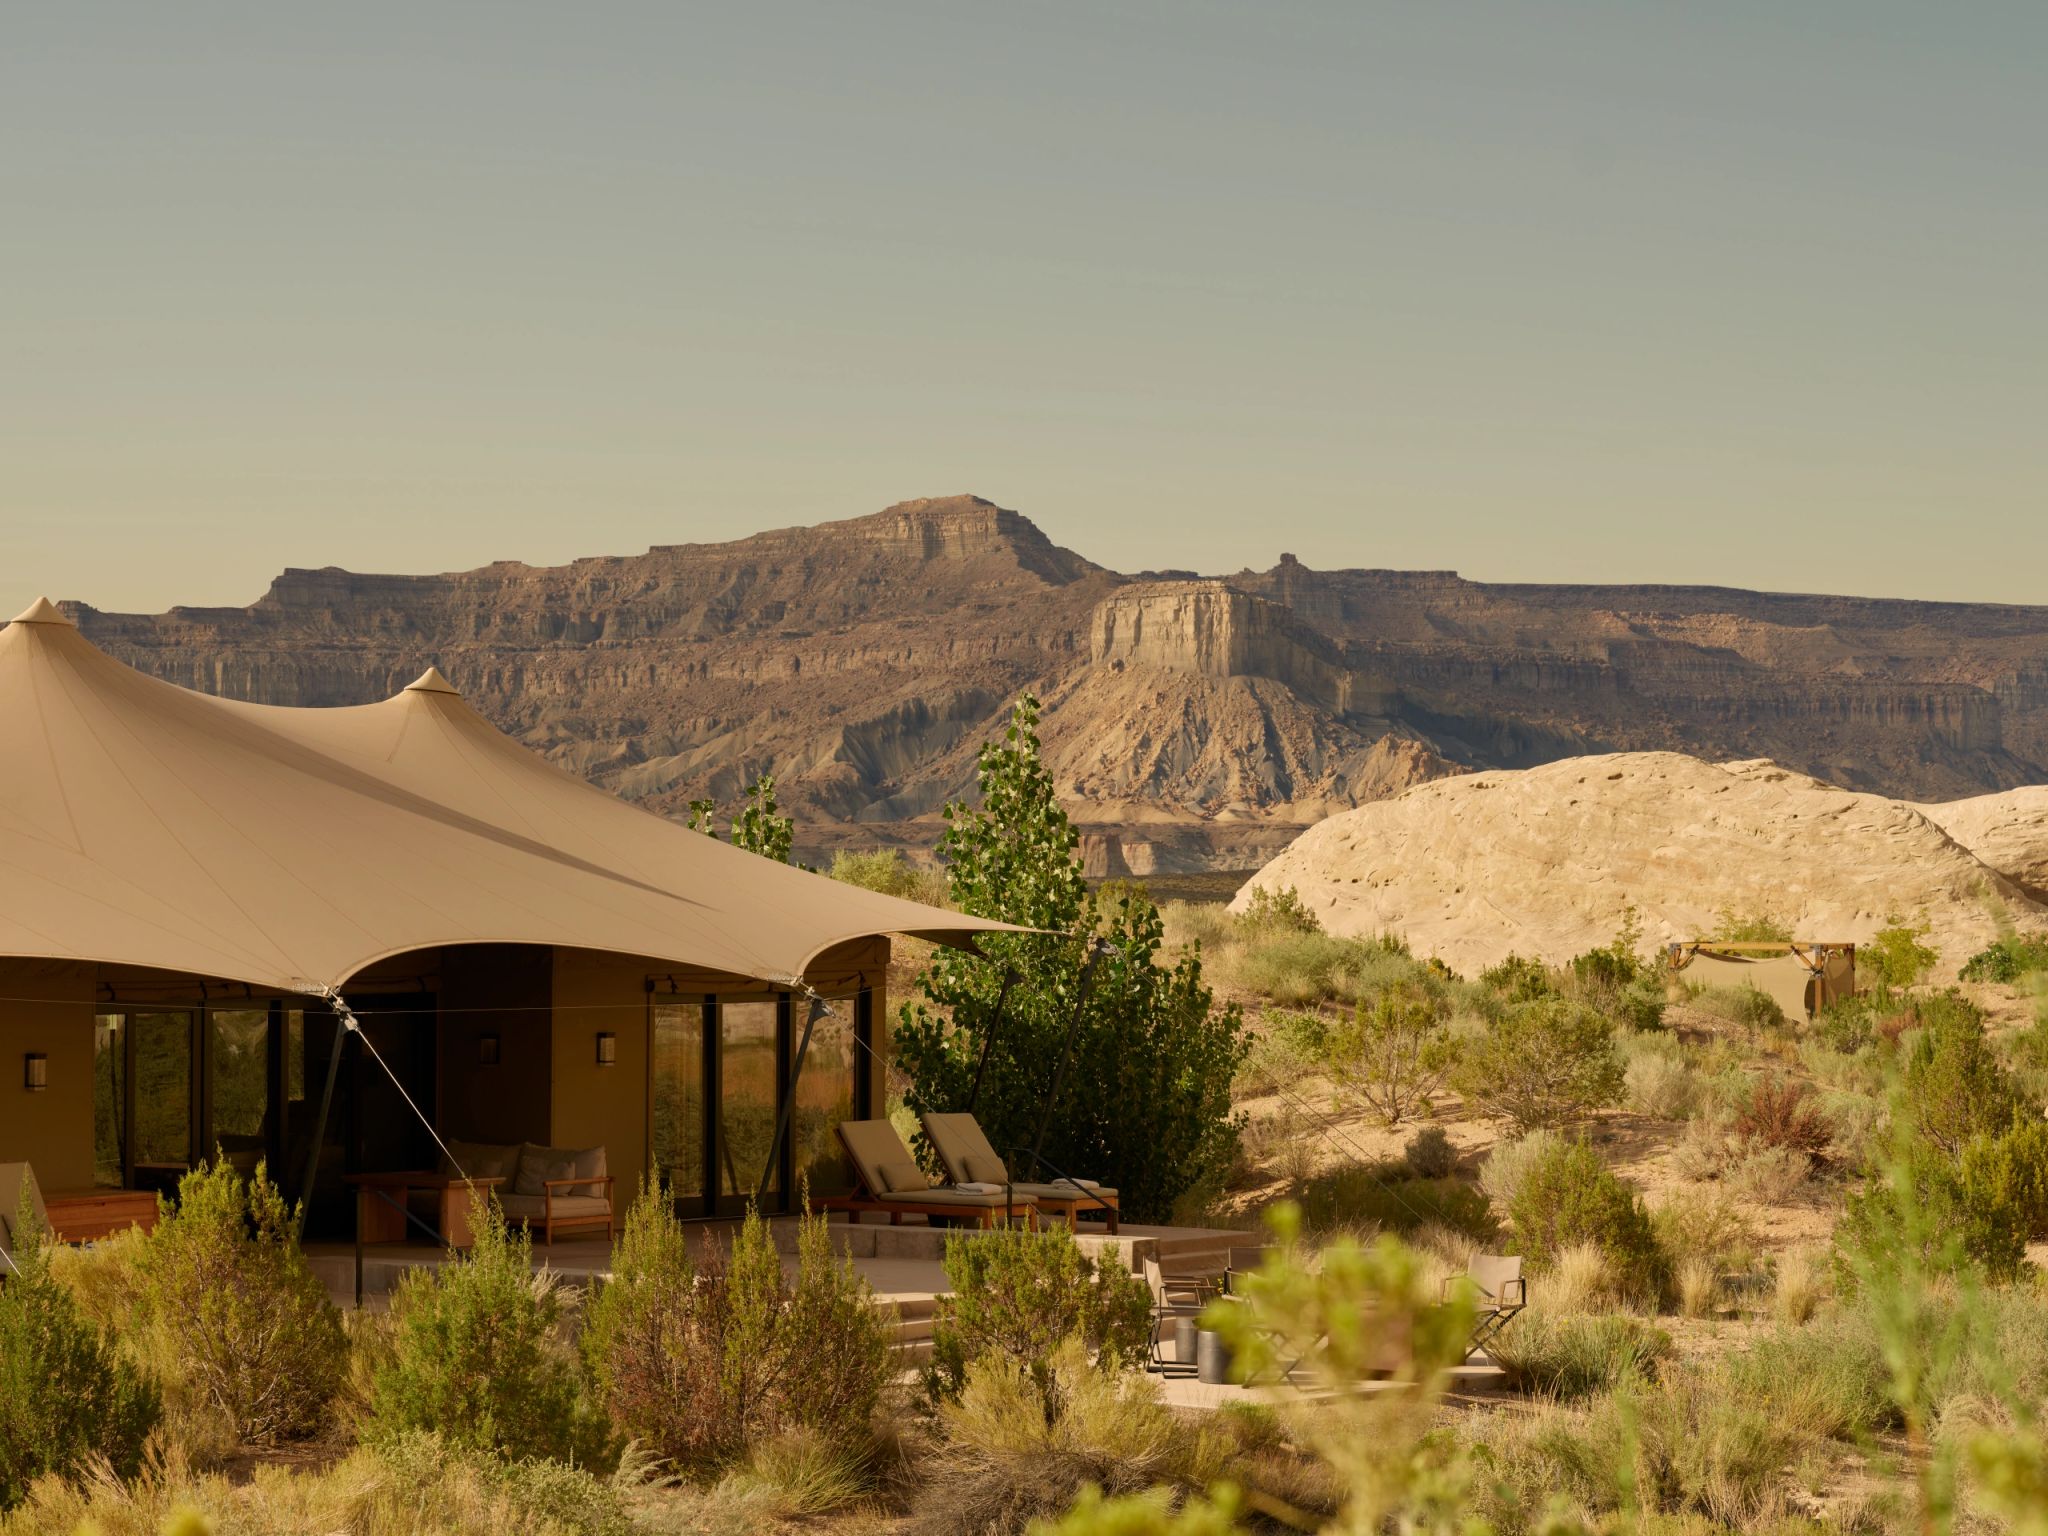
{"x":1190,"y":722}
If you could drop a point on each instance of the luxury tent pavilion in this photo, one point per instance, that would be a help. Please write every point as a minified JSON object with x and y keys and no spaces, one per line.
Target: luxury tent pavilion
{"x":200,"y":895}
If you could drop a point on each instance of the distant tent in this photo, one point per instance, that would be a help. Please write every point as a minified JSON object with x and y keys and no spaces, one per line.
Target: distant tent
{"x":1800,"y":977}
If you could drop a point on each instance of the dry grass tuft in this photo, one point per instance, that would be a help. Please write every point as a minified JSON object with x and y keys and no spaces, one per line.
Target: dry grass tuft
{"x":1699,"y":1286}
{"x":1801,"y":1283}
{"x":1578,"y":1280}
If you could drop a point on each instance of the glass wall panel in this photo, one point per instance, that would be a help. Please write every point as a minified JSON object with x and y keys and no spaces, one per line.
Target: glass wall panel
{"x":110,"y":1099}
{"x":824,"y":1097}
{"x":239,"y":1065}
{"x":163,"y":1097}
{"x":679,"y":1097}
{"x":747,"y":1080}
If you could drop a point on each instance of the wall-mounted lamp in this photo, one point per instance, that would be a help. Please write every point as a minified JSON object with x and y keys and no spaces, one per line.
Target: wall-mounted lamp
{"x":35,"y":1071}
{"x":487,"y":1050}
{"x":607,"y":1049}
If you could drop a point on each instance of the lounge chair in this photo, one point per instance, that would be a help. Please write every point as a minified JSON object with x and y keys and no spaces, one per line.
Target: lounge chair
{"x":965,"y":1150}
{"x":1500,"y":1290}
{"x":19,"y":1195}
{"x":890,"y":1180}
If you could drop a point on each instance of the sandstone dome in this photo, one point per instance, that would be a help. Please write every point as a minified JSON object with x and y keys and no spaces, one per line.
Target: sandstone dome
{"x":2008,"y":831}
{"x":1542,"y":861}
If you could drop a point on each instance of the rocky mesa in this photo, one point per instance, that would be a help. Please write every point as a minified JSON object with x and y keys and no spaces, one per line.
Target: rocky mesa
{"x":1193,"y":722}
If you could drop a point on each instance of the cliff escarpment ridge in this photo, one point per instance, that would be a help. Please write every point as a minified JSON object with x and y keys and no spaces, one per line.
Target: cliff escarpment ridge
{"x":1192,"y":722}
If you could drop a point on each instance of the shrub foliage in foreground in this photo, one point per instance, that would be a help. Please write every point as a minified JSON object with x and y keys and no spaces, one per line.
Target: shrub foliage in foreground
{"x":703,"y":1363}
{"x":1019,"y":1295}
{"x":476,"y":1356}
{"x":225,"y":1289}
{"x":1569,"y":1196}
{"x":66,"y":1393}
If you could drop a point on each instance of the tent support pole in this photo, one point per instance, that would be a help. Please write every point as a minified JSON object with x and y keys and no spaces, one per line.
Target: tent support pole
{"x":988,"y":1038}
{"x":816,"y":1011}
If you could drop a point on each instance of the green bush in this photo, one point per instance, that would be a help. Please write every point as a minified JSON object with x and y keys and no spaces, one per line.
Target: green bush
{"x":1508,"y":1164}
{"x":1386,"y":1197}
{"x":1575,"y":1356}
{"x":226,"y":1292}
{"x":1546,"y":1062}
{"x":1745,"y":1006}
{"x":1517,"y":979}
{"x":887,"y":871}
{"x":1759,"y":927}
{"x":1289,"y":1046}
{"x":1019,"y":1295}
{"x":706,"y":1363}
{"x":1391,"y":1055}
{"x":476,"y":1354}
{"x":1828,"y":1376}
{"x":1955,"y":1086}
{"x":1921,"y":1211}
{"x":1279,"y":910}
{"x":1294,"y":968}
{"x":2005,"y":1177}
{"x":1895,"y":957}
{"x":2011,"y":958}
{"x":66,"y":1392}
{"x":1569,"y":1196}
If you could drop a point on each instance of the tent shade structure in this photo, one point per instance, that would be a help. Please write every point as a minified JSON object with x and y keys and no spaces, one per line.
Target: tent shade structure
{"x":335,"y":940}
{"x":1800,"y":976}
{"x":145,"y":824}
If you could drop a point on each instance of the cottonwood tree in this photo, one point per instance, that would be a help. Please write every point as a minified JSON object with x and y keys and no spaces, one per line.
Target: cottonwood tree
{"x":1145,"y":1103}
{"x":1393,"y":1053}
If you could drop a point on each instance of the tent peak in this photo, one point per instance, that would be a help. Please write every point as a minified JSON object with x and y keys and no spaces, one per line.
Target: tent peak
{"x":431,"y":681}
{"x":42,"y":611}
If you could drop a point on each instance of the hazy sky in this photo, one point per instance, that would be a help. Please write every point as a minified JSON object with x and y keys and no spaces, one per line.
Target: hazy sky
{"x":1753,"y":293}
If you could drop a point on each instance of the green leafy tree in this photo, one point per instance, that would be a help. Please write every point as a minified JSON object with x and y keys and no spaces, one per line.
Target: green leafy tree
{"x":66,"y":1392}
{"x":1145,"y":1105}
{"x":760,"y":826}
{"x":1896,"y":957}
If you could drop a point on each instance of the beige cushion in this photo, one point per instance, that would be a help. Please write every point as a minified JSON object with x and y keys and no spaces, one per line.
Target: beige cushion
{"x":956,"y":1137}
{"x":539,"y":1164}
{"x":901,"y":1177}
{"x":871,"y":1143}
{"x":985,"y":1168}
{"x":481,"y":1160}
{"x":1067,"y":1192}
{"x":535,"y":1207}
{"x":947,"y":1195}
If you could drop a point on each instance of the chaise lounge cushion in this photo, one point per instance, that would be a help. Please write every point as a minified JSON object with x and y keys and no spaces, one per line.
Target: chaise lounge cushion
{"x":946,"y":1194}
{"x":984,"y":1169}
{"x":902,"y":1178}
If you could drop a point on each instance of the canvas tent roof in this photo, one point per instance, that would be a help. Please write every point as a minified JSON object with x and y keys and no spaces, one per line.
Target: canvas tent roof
{"x":142,"y":823}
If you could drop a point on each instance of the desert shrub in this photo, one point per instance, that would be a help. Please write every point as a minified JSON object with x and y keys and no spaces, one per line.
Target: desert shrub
{"x":1955,"y":1087}
{"x":1160,"y":1124}
{"x":886,"y":870}
{"x":1294,"y":968}
{"x":1744,"y":1006}
{"x":476,"y":1354}
{"x":1501,"y":1175}
{"x":1273,"y":910}
{"x":1755,"y":927}
{"x":1659,"y":1084}
{"x":1429,"y":1154}
{"x":1697,"y":1282}
{"x":1569,"y":1196}
{"x":1770,"y":1175}
{"x":1543,"y":1063}
{"x":1281,"y":1145}
{"x":1392,"y":1054}
{"x":1518,"y":979}
{"x":224,"y":1288}
{"x":1783,"y":1113}
{"x":2006,"y":961}
{"x":1797,"y":1286}
{"x":1920,"y":1212}
{"x":67,"y":1394}
{"x":1707,"y":1149}
{"x":1707,"y":1224}
{"x":705,"y":1363}
{"x":1575,"y":1355}
{"x":1382,"y":1196}
{"x":1290,"y":1045}
{"x":1848,"y":1024}
{"x":1828,"y":1376}
{"x":1895,"y":957}
{"x":2005,"y":1177}
{"x":1015,"y":1447}
{"x":1578,"y":1279}
{"x":1020,"y":1295}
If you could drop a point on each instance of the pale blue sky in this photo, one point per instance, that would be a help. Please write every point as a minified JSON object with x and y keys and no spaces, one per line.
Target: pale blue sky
{"x":1754,"y":293}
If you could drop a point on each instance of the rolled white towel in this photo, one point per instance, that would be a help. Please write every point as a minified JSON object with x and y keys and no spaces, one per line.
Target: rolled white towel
{"x":980,"y":1189}
{"x":1078,"y":1183}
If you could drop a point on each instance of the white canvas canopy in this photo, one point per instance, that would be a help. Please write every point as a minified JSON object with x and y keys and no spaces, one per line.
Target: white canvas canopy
{"x":145,"y":824}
